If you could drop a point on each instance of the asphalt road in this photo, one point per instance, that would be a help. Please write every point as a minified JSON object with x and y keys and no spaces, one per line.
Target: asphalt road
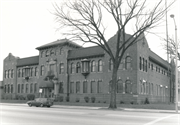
{"x":64,"y":115}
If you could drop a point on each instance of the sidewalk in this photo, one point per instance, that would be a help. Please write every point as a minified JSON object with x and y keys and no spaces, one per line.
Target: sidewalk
{"x":100,"y":108}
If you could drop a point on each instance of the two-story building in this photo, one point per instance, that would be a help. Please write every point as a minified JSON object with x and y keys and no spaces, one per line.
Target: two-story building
{"x":64,"y":68}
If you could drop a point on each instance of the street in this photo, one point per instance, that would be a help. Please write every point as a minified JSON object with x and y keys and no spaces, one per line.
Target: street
{"x":63,"y":115}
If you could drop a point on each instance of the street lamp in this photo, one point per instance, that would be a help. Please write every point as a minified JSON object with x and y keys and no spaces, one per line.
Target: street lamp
{"x":176,"y":80}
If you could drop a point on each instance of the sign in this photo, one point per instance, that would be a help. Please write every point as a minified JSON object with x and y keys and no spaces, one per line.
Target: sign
{"x":40,"y":90}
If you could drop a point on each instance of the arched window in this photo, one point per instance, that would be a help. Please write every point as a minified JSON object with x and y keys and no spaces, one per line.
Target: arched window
{"x":42,"y":70}
{"x":110,"y":64}
{"x":128,"y":62}
{"x":72,"y":68}
{"x":100,"y":65}
{"x":47,"y":53}
{"x":120,"y":86}
{"x":52,"y":53}
{"x":12,"y":73}
{"x":93,"y":64}
{"x":78,"y":67}
{"x":42,"y":54}
{"x":128,"y":86}
{"x":9,"y":73}
{"x":36,"y":71}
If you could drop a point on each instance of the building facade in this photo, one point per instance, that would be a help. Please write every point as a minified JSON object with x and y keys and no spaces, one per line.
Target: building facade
{"x":63,"y":68}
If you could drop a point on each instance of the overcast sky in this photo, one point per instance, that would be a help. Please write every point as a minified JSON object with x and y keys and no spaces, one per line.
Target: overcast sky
{"x":27,"y":24}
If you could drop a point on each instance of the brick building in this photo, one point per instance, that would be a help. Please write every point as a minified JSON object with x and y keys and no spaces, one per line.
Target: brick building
{"x":63,"y":68}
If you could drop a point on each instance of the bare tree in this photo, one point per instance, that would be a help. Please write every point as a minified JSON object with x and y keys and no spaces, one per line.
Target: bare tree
{"x":85,"y":19}
{"x":171,"y":48}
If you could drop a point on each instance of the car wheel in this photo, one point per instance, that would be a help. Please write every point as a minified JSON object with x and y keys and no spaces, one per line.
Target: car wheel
{"x":41,"y":105}
{"x":48,"y":106}
{"x":30,"y":104}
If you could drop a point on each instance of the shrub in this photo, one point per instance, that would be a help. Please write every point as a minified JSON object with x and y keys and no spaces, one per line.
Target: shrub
{"x":60,"y":98}
{"x":93,"y":99}
{"x":121,"y":102}
{"x":146,"y":101}
{"x":77,"y":99}
{"x":67,"y":98}
{"x":86,"y":99}
{"x":30,"y":96}
{"x":132,"y":102}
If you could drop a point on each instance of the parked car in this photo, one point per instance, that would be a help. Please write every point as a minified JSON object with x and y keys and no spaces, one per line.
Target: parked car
{"x":41,"y":102}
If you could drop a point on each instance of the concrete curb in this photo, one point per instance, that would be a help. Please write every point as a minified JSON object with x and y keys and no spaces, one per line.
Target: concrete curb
{"x":99,"y":108}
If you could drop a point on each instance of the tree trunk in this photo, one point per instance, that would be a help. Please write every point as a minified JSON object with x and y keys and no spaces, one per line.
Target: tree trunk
{"x":112,"y":104}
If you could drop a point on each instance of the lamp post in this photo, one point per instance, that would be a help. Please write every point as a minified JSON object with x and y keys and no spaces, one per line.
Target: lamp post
{"x":176,"y":80}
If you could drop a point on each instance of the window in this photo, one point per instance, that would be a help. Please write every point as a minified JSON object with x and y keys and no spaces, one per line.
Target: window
{"x":42,"y":54}
{"x":72,"y":68}
{"x":143,"y":64}
{"x":8,"y":90}
{"x":36,"y":71}
{"x":61,"y":68}
{"x":99,"y":87}
{"x":12,"y":73}
{"x":85,"y":87}
{"x":31,"y":71}
{"x":31,"y":88}
{"x":9,"y":73}
{"x":61,"y":51}
{"x":35,"y":88}
{"x":120,"y":86}
{"x":100,"y":66}
{"x":147,"y":88}
{"x":11,"y":88}
{"x":146,"y":65}
{"x":61,"y":87}
{"x":22,"y":88}
{"x":71,"y":87}
{"x":128,"y":62}
{"x":42,"y":70}
{"x":151,"y":66}
{"x":93,"y":65}
{"x":27,"y":88}
{"x":93,"y":87}
{"x":18,"y":88}
{"x":23,"y":72}
{"x":78,"y":67}
{"x":128,"y":86}
{"x":140,"y":63}
{"x":47,"y":53}
{"x":110,"y":64}
{"x":57,"y":51}
{"x":19,"y":72}
{"x":52,"y":53}
{"x":78,"y":87}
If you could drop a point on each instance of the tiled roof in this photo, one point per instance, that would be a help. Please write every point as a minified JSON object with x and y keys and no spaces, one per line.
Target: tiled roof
{"x":86,"y":52}
{"x":154,"y":57}
{"x":59,"y":42}
{"x":34,"y":60}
